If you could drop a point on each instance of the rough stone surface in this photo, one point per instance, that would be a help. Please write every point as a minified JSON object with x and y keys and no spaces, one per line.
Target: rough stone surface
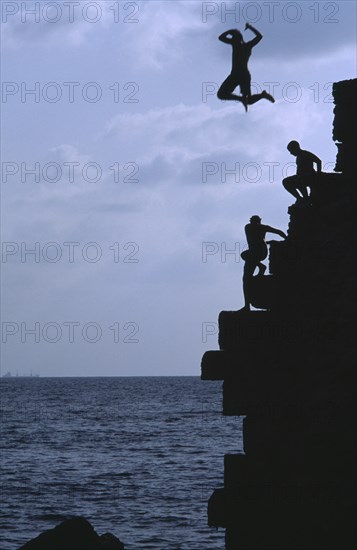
{"x":73,"y":534}
{"x":291,"y":369}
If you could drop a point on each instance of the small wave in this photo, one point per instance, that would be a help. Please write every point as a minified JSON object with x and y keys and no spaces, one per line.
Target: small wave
{"x":51,"y":517}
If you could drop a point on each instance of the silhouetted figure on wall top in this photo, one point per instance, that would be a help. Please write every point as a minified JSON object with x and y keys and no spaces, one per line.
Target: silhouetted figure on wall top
{"x":240,"y":75}
{"x":305,"y":172}
{"x":257,"y":251}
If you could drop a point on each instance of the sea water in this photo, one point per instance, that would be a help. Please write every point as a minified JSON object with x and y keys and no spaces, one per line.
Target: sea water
{"x":138,"y":457}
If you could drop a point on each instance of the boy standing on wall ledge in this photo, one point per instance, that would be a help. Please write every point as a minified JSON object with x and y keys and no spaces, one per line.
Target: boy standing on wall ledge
{"x":257,"y":251}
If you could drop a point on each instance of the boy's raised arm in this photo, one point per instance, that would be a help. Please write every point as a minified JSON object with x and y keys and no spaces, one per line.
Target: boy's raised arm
{"x":224,"y":36}
{"x":258,"y":35}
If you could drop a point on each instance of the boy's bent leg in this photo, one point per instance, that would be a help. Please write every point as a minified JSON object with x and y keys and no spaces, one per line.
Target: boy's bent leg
{"x":227,"y":88}
{"x":301,"y":184}
{"x":262,"y":269}
{"x":267,"y":96}
{"x":248,"y":272}
{"x":291,"y":184}
{"x":257,"y":97}
{"x":249,"y":265}
{"x":303,"y":191}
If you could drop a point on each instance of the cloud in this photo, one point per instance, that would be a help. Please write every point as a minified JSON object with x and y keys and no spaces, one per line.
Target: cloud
{"x":164,"y":31}
{"x":56,"y":24}
{"x":181,"y":136}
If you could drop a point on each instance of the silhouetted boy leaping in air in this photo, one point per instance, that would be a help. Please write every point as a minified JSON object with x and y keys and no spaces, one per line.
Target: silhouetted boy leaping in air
{"x":240,"y":76}
{"x":257,"y":251}
{"x":305,"y":172}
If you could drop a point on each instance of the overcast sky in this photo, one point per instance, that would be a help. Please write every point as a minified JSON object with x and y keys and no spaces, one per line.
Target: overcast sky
{"x":128,"y":199}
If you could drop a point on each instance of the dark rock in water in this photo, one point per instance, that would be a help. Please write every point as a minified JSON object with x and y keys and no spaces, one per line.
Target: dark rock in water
{"x":73,"y":534}
{"x":110,"y":542}
{"x":216,"y":509}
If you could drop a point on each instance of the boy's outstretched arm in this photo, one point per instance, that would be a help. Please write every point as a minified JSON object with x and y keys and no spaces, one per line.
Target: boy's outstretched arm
{"x":224,"y":36}
{"x":258,"y":35}
{"x":276,"y":231}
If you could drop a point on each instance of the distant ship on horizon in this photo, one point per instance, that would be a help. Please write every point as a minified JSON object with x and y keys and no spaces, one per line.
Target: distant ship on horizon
{"x":9,"y":375}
